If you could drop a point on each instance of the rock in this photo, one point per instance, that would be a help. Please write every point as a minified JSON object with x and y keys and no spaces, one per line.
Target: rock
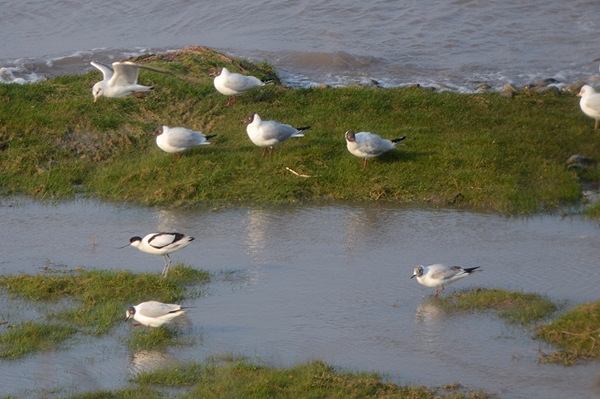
{"x":576,"y":166}
{"x":507,"y":93}
{"x":593,"y":79}
{"x":439,"y":86}
{"x":508,"y":87}
{"x":549,"y":81}
{"x":484,"y":86}
{"x":548,"y":89}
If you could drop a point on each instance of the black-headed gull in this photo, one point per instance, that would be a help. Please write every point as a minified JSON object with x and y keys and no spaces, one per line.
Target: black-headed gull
{"x":439,"y":275}
{"x":153,"y":313}
{"x":368,"y":145}
{"x":161,"y":244}
{"x":175,"y":140}
{"x":590,"y":102}
{"x":120,"y":80}
{"x":232,"y":84}
{"x":270,"y":133}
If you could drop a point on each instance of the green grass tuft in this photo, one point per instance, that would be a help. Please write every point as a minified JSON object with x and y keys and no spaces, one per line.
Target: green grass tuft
{"x":29,"y":337}
{"x":516,"y":307}
{"x":576,"y":333}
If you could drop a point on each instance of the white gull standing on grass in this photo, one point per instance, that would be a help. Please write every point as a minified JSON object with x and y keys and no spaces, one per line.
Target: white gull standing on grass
{"x":590,"y":102}
{"x":232,"y":84}
{"x":439,"y":275}
{"x":153,"y":313}
{"x":368,"y":145}
{"x":120,"y":80}
{"x":175,"y":140}
{"x":270,"y":133}
{"x":161,"y":244}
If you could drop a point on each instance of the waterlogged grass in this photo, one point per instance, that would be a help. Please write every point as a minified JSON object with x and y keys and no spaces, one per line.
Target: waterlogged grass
{"x":576,"y":333}
{"x":241,"y":379}
{"x":30,"y":337}
{"x":157,"y":339}
{"x":514,"y":306}
{"x":476,"y":150}
{"x":100,"y":298}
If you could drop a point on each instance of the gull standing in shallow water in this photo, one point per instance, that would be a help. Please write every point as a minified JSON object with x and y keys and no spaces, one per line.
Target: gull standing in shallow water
{"x":178,"y":139}
{"x":120,"y":80}
{"x":590,"y":102}
{"x":270,"y":133}
{"x":162,"y":244}
{"x":439,"y":275}
{"x":232,"y":84}
{"x":153,"y":313}
{"x":368,"y":145}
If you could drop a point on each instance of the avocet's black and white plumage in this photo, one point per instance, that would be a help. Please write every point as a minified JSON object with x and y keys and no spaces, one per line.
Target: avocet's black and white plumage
{"x":439,"y":275}
{"x":153,"y":313}
{"x":368,"y":145}
{"x":270,"y":133}
{"x":175,"y":140}
{"x":120,"y":80}
{"x":162,"y":244}
{"x":590,"y":102}
{"x":232,"y":84}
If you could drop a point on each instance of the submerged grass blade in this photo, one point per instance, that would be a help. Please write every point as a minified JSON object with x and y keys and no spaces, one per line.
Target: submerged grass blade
{"x":241,"y":379}
{"x":514,"y":306}
{"x":157,"y":339}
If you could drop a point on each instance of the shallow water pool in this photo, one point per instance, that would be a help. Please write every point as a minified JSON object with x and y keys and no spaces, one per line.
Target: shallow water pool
{"x":315,"y":282}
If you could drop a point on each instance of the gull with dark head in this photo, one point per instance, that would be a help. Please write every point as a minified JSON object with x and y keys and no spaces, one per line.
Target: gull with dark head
{"x":232,"y":84}
{"x":175,"y":140}
{"x":439,"y":275}
{"x":368,"y":145}
{"x":161,"y":244}
{"x":270,"y":133}
{"x":120,"y":80}
{"x":590,"y":102}
{"x":153,"y":313}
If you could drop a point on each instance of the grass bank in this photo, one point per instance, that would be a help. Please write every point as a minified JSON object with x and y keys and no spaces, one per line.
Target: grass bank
{"x":477,"y":150}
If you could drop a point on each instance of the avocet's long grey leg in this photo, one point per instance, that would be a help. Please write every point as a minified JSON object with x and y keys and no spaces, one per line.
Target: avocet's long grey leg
{"x":167,"y":265}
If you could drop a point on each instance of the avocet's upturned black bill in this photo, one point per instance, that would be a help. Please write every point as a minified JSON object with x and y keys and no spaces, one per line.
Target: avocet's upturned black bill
{"x":162,"y":244}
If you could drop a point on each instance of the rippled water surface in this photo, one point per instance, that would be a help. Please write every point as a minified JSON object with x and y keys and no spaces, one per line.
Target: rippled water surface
{"x":459,"y":43}
{"x":316,"y":282}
